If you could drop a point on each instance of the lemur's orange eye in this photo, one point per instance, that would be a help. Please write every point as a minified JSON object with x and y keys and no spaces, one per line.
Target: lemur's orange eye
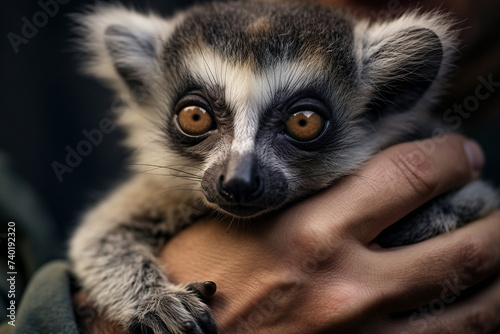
{"x":305,"y":125}
{"x":195,"y":121}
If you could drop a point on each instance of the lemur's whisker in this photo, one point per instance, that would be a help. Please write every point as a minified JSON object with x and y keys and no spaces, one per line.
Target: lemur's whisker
{"x":230,"y":224}
{"x":179,"y":189}
{"x":189,"y":178}
{"x":168,"y":166}
{"x":176,"y":169}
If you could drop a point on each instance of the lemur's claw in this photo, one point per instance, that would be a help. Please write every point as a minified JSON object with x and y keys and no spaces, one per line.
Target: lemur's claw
{"x":204,"y":290}
{"x":177,"y":312}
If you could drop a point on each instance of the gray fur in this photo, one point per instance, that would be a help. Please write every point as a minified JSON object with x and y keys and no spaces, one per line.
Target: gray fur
{"x":443,"y":214}
{"x":250,"y":65}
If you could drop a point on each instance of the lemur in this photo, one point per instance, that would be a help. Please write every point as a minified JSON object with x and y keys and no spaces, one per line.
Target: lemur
{"x":243,"y":107}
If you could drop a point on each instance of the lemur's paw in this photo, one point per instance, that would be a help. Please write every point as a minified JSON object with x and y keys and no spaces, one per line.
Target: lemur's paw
{"x":176,"y":312}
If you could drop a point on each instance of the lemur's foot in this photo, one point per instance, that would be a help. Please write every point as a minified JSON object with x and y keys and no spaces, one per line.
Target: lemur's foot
{"x":176,"y":312}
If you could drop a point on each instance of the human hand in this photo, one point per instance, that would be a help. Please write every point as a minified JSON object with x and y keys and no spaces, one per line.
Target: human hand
{"x":313,"y":268}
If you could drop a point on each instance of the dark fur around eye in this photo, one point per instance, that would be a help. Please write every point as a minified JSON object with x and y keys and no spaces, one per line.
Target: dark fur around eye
{"x":197,"y":147}
{"x":300,"y":104}
{"x":193,"y":99}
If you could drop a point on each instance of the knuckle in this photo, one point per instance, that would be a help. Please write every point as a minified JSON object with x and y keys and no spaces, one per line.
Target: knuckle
{"x":475,"y":260}
{"x":305,"y":240}
{"x":311,"y":241}
{"x":418,"y":170}
{"x":317,"y":250}
{"x":348,"y":301}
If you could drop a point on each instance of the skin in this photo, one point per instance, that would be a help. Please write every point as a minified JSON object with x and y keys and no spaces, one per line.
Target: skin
{"x":312,"y":267}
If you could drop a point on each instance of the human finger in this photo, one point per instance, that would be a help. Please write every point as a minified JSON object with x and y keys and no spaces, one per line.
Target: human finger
{"x":476,"y":314}
{"x":438,"y":267}
{"x":391,"y":185}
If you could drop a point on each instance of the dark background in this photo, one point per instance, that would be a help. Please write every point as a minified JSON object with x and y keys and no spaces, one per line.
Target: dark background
{"x":46,"y":104}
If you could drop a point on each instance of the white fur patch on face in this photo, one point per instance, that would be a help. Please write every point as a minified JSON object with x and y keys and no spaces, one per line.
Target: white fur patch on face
{"x":248,"y":93}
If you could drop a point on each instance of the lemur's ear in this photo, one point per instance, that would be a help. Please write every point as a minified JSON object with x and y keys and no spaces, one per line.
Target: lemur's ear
{"x":401,"y":60}
{"x":121,"y":46}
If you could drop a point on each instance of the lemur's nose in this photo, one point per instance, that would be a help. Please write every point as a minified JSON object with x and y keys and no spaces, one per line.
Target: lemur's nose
{"x":241,"y":181}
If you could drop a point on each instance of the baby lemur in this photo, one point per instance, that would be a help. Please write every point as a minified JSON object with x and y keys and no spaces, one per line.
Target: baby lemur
{"x":242,"y":107}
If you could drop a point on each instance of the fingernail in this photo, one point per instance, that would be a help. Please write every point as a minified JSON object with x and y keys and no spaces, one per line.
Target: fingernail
{"x":476,"y":156}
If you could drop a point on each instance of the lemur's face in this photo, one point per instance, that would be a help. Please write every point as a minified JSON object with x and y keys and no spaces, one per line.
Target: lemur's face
{"x":264,"y":102}
{"x":259,"y":104}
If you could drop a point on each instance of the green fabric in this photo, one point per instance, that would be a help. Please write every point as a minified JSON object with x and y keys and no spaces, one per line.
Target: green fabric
{"x":34,"y":231}
{"x":46,"y":307}
{"x":20,"y":203}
